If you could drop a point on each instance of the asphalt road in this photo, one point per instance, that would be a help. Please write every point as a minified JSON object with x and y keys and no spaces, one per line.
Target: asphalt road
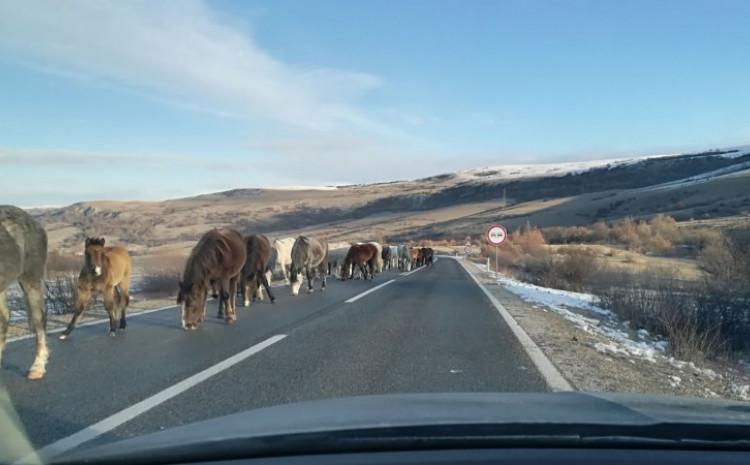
{"x":429,"y":331}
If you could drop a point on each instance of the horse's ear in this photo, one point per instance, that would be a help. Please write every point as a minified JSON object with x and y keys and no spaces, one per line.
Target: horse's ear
{"x":88,"y":241}
{"x":101,"y":241}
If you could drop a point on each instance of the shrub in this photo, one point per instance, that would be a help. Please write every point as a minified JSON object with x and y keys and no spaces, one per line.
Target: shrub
{"x":58,"y":262}
{"x":160,"y":284}
{"x":60,"y":294}
{"x":626,"y":232}
{"x":573,"y":270}
{"x":664,"y":305}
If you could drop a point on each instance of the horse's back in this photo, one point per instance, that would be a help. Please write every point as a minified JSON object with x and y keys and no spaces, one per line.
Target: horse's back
{"x":23,"y":245}
{"x":120,"y":262}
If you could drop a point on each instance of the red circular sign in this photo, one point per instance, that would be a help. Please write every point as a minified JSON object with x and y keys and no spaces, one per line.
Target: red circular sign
{"x":496,"y":234}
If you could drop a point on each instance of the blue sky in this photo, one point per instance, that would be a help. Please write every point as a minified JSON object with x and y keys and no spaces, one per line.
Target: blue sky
{"x":147,"y":100}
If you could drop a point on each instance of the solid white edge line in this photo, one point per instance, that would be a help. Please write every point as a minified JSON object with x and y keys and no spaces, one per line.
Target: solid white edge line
{"x":90,"y":323}
{"x":60,"y":446}
{"x":554,"y":379}
{"x":360,"y":295}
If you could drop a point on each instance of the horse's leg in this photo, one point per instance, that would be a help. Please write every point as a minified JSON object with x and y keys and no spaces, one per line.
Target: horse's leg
{"x":4,"y":322}
{"x":111,"y":306}
{"x":231,"y":305}
{"x":285,"y":272}
{"x":309,"y":276}
{"x":32,"y":289}
{"x":245,"y":291}
{"x":124,"y":300}
{"x":326,"y":270}
{"x":267,"y":285}
{"x":82,"y":300}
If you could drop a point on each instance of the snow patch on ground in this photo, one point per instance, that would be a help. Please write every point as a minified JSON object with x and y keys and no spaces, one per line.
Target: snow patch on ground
{"x":582,"y":310}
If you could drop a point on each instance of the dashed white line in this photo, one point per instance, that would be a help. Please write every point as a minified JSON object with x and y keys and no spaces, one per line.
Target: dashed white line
{"x":359,"y":296}
{"x":50,"y":451}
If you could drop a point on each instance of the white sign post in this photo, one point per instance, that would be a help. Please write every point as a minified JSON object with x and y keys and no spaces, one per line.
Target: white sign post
{"x":496,"y":235}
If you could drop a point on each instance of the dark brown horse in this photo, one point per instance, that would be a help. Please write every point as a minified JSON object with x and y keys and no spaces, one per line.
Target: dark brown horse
{"x":362,"y":256}
{"x":254,"y":273}
{"x":427,"y":256}
{"x":106,"y":270}
{"x":219,"y":256}
{"x":23,"y":257}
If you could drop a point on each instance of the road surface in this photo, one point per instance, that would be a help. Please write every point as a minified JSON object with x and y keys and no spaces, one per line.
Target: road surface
{"x":429,"y":331}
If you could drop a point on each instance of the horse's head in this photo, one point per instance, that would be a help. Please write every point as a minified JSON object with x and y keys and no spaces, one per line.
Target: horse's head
{"x":193,"y":301}
{"x":94,"y":252}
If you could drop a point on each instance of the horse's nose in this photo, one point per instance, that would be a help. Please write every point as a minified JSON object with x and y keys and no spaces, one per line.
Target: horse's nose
{"x":98,"y":270}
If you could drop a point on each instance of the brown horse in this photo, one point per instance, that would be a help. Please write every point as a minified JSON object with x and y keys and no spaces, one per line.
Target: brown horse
{"x":364,"y":257}
{"x":219,"y":256}
{"x":106,"y":270}
{"x":254,"y":273}
{"x":427,"y":256}
{"x":415,"y":254}
{"x":23,"y":257}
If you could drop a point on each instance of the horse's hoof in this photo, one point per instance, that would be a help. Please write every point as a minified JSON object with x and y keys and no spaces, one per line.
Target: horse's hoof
{"x":273,"y":300}
{"x":112,"y":333}
{"x":246,"y":303}
{"x":231,"y":322}
{"x":62,"y":337}
{"x":219,"y":315}
{"x":35,"y":374}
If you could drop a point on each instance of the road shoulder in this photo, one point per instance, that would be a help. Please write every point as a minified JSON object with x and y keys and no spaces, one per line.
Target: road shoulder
{"x":573,"y":352}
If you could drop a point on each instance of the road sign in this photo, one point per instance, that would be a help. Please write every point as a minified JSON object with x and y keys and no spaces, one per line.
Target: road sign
{"x":496,"y":234}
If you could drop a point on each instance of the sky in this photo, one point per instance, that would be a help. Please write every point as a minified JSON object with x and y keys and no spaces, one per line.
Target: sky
{"x":134,"y":99}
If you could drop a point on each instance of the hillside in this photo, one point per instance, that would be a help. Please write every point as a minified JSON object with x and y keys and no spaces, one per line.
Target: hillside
{"x":713,"y":184}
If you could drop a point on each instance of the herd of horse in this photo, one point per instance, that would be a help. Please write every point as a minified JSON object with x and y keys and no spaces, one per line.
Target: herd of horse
{"x":222,"y":264}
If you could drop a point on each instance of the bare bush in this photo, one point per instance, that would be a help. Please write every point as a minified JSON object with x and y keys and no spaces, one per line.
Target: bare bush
{"x":161,"y":284}
{"x":572,"y":270}
{"x":60,"y":294}
{"x":662,"y":304}
{"x":58,"y":262}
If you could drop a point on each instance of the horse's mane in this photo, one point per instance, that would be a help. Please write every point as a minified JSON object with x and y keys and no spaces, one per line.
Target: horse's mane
{"x":206,"y":255}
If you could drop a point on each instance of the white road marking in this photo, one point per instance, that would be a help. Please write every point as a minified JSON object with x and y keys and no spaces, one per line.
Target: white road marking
{"x":549,"y":372}
{"x":92,"y":322}
{"x":50,"y":451}
{"x":359,"y":296}
{"x":407,"y":273}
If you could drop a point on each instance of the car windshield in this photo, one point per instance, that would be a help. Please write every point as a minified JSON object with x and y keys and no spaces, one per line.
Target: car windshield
{"x":210,"y":207}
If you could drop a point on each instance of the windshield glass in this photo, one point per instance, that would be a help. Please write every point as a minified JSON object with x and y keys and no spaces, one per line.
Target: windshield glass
{"x":215,"y":206}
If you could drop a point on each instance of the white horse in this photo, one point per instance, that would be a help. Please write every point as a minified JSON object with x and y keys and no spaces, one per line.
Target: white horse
{"x":394,"y":257}
{"x":379,"y":258}
{"x":404,"y":257}
{"x":280,"y":262}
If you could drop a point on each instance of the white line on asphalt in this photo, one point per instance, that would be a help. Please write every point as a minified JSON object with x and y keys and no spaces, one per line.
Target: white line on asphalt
{"x":407,"y":273}
{"x":549,"y":372}
{"x":49,"y":451}
{"x":90,"y":323}
{"x":359,"y":296}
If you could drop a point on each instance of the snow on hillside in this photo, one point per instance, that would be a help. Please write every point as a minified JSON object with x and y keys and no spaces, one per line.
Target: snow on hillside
{"x":517,"y":171}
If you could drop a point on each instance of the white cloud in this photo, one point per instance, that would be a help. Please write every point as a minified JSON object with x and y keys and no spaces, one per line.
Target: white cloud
{"x":182,"y":51}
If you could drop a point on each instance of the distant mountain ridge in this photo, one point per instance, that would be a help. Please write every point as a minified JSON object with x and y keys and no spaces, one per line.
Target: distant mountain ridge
{"x":150,"y":224}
